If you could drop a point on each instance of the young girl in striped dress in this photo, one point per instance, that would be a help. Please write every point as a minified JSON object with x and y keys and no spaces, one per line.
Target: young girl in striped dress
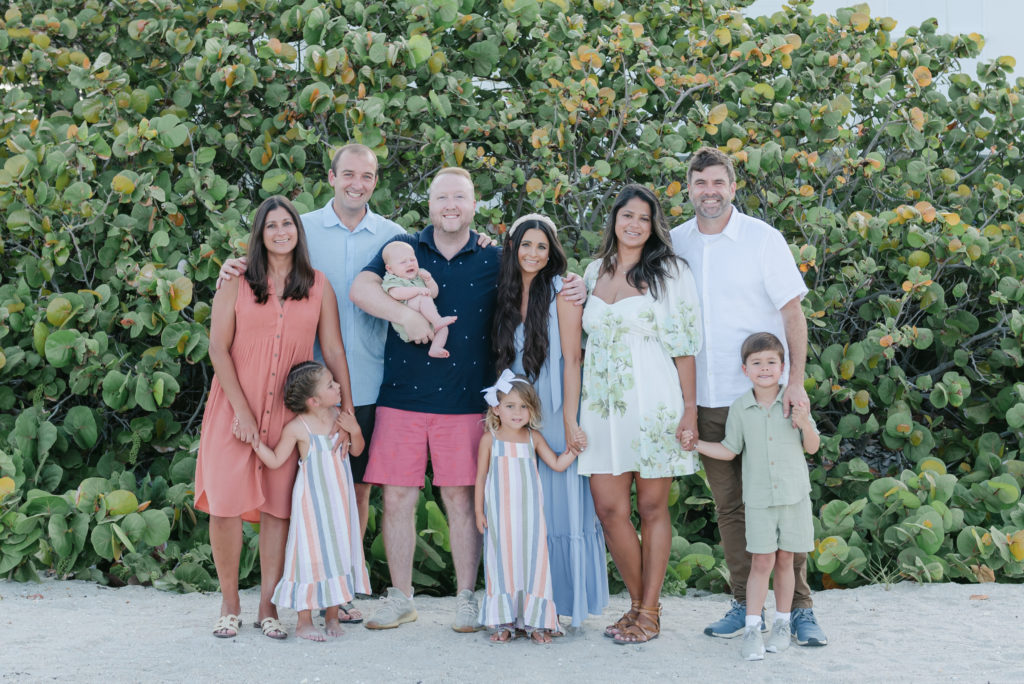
{"x":510,"y":513}
{"x":323,"y":566}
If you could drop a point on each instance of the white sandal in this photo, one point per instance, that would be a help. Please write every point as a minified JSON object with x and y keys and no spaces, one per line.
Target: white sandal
{"x":270,"y":625}
{"x":227,"y":622}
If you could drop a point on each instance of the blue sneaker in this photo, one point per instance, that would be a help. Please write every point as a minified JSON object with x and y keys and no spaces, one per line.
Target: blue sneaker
{"x":734,"y":622}
{"x":805,"y":628}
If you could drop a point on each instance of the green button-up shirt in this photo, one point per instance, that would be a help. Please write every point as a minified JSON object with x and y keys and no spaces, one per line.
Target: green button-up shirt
{"x":774,"y":468}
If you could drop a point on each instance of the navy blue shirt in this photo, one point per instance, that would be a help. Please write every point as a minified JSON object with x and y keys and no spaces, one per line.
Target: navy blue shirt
{"x":467,"y":287}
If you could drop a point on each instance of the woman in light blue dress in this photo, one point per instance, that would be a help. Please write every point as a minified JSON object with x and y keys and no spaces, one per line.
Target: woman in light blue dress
{"x":536,"y":333}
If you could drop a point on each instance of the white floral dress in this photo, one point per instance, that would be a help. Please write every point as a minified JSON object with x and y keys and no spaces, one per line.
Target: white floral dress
{"x":632,"y":402}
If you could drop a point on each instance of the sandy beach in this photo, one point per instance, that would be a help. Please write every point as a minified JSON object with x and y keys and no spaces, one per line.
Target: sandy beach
{"x":82,"y":632}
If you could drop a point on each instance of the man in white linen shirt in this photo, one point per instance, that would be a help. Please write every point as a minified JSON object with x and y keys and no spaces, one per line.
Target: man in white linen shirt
{"x":747,"y":282}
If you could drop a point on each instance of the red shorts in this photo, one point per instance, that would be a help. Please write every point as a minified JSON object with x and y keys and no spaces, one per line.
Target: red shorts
{"x":402,"y":439}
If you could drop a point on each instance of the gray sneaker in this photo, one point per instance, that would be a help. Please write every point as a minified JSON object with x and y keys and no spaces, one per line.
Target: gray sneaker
{"x":752,"y":646}
{"x":392,"y":610}
{"x":467,"y":613}
{"x":778,"y":640}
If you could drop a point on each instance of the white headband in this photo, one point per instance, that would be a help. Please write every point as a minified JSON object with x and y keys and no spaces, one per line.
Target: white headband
{"x":540,"y":218}
{"x":503,"y":385}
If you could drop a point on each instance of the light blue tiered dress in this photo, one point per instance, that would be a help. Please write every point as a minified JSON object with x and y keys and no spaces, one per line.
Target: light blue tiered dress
{"x":579,"y":572}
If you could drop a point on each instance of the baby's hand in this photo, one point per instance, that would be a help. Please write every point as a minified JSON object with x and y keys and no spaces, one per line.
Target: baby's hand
{"x":481,"y":522}
{"x":425,"y":274}
{"x":424,"y":292}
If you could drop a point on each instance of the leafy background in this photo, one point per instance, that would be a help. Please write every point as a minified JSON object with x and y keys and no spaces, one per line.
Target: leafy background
{"x":139,"y":136}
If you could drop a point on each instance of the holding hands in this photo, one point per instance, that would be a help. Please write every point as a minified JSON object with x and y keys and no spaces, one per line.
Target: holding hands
{"x":244,"y":428}
{"x":575,"y":438}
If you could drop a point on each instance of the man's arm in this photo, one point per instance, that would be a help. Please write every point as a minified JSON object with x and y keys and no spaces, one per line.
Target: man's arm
{"x":367,"y":294}
{"x":796,"y":337}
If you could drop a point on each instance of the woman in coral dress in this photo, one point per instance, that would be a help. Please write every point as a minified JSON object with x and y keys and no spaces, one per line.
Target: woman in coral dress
{"x":261,"y":326}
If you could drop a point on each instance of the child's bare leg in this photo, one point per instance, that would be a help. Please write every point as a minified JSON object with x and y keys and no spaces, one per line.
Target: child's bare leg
{"x":305,"y":628}
{"x":757,"y":582}
{"x":331,"y":622}
{"x":784,"y":581}
{"x":437,"y":349}
{"x":426,"y":307}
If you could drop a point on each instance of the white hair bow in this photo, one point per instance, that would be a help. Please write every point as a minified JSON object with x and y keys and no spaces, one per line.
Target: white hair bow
{"x":504,"y":385}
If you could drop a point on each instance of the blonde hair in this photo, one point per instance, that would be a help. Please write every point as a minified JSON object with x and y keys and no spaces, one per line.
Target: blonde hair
{"x":527,"y":393}
{"x":391,"y":250}
{"x":452,"y":171}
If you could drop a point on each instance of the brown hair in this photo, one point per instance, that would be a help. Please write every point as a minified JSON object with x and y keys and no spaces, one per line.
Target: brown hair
{"x":302,"y":275}
{"x":301,"y":385}
{"x":709,"y":156}
{"x":658,"y":261}
{"x":762,"y":341}
{"x":354,"y":148}
{"x":527,"y":393}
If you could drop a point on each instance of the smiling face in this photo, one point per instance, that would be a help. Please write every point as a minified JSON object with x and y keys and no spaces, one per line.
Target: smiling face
{"x":513,"y":411}
{"x":451,"y":204}
{"x":633,"y":223}
{"x":711,"y":191}
{"x":534,"y":251}
{"x":280,"y":234}
{"x":353,"y":179}
{"x":400,"y":260}
{"x":764,"y":368}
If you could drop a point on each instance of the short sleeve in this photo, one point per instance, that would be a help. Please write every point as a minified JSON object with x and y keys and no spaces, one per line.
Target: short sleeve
{"x":733,"y":440}
{"x":782,"y":278}
{"x":678,"y":314}
{"x":376,"y":264}
{"x":591,"y":273}
{"x":390,"y":282}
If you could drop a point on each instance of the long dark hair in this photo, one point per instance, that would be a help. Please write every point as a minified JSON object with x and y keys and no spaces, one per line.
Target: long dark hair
{"x":510,"y":293}
{"x":302,"y":275}
{"x":657,"y":259}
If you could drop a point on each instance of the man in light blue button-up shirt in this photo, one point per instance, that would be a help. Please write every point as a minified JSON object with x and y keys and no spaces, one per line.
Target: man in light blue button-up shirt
{"x":343,"y":236}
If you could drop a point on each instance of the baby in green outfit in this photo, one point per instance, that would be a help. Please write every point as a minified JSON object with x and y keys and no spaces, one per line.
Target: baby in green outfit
{"x":416,"y":288}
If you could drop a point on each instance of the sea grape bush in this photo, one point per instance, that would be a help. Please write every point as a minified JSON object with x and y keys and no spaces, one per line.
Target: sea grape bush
{"x":139,"y":136}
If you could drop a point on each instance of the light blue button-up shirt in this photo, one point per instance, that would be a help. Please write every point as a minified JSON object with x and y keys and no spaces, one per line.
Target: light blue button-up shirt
{"x":341,"y":254}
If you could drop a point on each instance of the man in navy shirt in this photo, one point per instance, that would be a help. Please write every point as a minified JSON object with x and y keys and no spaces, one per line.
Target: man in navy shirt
{"x":427,"y":403}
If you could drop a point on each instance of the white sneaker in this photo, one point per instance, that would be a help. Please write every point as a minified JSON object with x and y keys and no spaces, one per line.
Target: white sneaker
{"x":392,"y":610}
{"x":467,"y":613}
{"x":778,"y":640}
{"x":752,"y":646}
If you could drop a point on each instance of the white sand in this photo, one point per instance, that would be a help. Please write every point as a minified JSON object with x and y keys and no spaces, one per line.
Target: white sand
{"x":82,"y":632}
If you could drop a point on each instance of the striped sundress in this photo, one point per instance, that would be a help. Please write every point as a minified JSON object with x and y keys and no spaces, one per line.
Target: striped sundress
{"x":323,"y":562}
{"x":518,"y":578}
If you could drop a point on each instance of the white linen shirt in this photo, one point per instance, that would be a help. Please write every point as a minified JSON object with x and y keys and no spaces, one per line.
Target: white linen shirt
{"x":341,"y":254}
{"x":744,"y":276}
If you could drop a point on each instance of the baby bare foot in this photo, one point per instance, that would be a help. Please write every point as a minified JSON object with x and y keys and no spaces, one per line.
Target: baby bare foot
{"x":445,"y":322}
{"x":441,"y":353}
{"x":333,"y":628}
{"x":310,"y":632}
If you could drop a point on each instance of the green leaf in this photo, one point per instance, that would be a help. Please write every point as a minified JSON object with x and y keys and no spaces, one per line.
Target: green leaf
{"x":80,"y":423}
{"x":419,"y":48}
{"x":60,"y":347}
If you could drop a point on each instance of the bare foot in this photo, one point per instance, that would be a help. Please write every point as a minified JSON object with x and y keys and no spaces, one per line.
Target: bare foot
{"x":445,"y":322}
{"x":310,"y":632}
{"x":441,"y":353}
{"x":333,"y":627}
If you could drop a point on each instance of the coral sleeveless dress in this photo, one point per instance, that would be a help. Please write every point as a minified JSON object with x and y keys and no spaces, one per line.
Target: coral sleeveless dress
{"x":269,"y":339}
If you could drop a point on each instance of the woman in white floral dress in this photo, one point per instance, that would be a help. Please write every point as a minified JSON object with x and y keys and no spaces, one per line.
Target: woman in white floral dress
{"x":642,"y":319}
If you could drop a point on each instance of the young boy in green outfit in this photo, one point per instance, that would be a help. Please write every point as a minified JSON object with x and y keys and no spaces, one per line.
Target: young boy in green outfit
{"x":776,"y":488}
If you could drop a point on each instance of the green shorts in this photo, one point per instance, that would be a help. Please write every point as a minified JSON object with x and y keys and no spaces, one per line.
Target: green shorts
{"x":789,"y":528}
